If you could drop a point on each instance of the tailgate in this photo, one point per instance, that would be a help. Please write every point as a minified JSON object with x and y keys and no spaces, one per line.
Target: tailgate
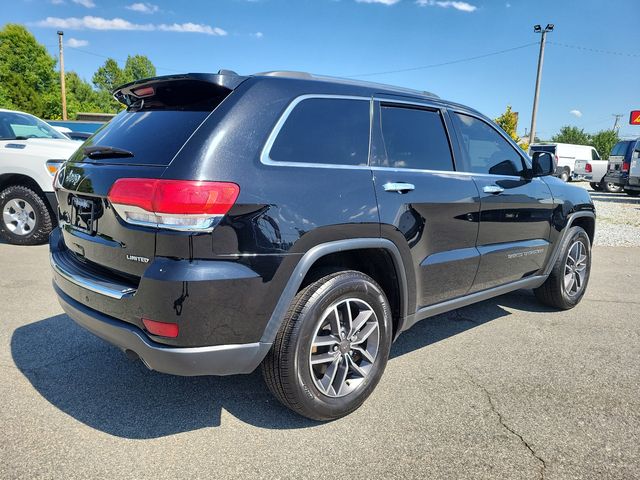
{"x":580,"y":167}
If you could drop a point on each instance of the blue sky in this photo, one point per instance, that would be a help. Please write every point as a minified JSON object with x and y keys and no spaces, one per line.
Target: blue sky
{"x":581,"y":86}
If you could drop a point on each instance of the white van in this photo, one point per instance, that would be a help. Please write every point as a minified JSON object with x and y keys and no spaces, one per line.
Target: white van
{"x":566,"y":156}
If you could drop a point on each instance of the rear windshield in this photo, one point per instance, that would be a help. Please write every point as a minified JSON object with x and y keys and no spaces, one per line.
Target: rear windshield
{"x":156,"y":127}
{"x":620,"y":149}
{"x":543,"y":148}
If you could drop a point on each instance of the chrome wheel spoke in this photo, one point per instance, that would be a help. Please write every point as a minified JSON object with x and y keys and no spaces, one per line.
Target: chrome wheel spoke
{"x":569,"y":280}
{"x":325,"y":341}
{"x":330,"y":374}
{"x":341,"y":376}
{"x":355,"y":367}
{"x":322,"y":358}
{"x":366,"y":332}
{"x":365,"y":354}
{"x":575,"y":269}
{"x":360,"y":320}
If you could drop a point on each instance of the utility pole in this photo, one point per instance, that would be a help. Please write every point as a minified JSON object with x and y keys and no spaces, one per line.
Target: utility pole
{"x":538,"y":29}
{"x":616,"y":124}
{"x":62,"y":86}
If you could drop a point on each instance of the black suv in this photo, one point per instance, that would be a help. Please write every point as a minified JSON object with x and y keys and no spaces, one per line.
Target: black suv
{"x":301,"y":223}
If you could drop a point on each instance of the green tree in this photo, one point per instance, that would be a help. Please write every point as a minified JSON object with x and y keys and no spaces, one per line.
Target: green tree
{"x":108,"y":76}
{"x":604,"y":141}
{"x":27,"y":71}
{"x":137,"y":67}
{"x":574,"y":135}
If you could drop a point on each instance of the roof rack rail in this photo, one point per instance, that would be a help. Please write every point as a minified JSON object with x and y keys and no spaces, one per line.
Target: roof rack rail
{"x":285,"y":74}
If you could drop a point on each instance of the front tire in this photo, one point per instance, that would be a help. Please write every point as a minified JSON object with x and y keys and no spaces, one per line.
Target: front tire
{"x":569,"y":277}
{"x":26,"y":220}
{"x":332,"y":347}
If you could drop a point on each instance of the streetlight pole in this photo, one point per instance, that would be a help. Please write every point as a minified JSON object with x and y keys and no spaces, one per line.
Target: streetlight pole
{"x":63,"y":90}
{"x":538,"y":29}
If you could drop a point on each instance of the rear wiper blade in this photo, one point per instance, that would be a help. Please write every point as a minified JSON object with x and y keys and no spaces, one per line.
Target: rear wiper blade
{"x":101,"y":151}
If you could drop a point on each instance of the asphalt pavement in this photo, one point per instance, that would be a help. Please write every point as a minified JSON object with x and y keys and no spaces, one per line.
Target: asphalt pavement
{"x":502,"y":389}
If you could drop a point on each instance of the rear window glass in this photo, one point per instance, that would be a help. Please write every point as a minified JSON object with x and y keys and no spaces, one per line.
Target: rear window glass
{"x":156,"y":127}
{"x":331,"y":131}
{"x":414,"y":138}
{"x":620,"y":149}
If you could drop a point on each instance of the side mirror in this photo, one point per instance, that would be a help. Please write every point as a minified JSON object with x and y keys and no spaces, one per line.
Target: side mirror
{"x":543,"y":164}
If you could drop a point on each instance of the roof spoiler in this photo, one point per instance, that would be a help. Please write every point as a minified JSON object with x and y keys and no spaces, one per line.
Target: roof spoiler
{"x":130,"y":93}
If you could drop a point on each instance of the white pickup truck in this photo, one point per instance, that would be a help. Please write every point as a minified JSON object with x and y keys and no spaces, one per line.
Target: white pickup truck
{"x":593,"y":171}
{"x":569,"y":158}
{"x":30,"y":153}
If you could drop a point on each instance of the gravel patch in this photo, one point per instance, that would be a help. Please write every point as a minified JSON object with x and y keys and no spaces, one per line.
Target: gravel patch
{"x":617,"y":218}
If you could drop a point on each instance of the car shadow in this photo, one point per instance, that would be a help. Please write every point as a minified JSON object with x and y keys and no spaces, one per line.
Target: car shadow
{"x":96,"y":384}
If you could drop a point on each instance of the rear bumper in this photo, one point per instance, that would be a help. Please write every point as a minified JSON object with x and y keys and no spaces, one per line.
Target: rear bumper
{"x":216,"y":360}
{"x":587,"y":177}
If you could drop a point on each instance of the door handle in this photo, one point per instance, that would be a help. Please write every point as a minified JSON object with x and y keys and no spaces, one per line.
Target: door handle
{"x":399,"y":187}
{"x":495,"y":189}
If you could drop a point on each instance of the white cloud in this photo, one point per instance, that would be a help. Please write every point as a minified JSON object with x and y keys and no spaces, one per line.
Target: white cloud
{"x":76,"y":43}
{"x":192,"y":28}
{"x":508,"y":5}
{"x":462,"y":6}
{"x":93,"y":23}
{"x":576,"y":113}
{"x":143,"y":7}
{"x":99,"y":23}
{"x":85,"y":3}
{"x":56,"y":2}
{"x":384,"y":2}
{"x":258,"y":34}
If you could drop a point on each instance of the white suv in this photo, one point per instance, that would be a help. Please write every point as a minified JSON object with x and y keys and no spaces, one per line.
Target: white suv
{"x":30,"y":153}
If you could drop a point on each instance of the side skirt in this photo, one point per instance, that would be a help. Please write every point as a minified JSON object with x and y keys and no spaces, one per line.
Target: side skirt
{"x":443,"y":307}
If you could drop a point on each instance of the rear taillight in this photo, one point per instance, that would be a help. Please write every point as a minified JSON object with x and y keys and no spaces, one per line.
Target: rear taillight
{"x":625,"y":166}
{"x":587,"y":168}
{"x":172,"y":204}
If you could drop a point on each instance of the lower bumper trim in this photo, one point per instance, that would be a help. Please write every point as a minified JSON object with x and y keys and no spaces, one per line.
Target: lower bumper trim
{"x":191,"y":361}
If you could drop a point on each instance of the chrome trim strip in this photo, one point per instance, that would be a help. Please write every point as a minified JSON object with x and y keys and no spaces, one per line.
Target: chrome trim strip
{"x":92,"y":286}
{"x":265,"y":157}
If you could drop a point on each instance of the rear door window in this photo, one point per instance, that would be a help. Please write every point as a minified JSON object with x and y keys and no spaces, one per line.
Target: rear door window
{"x":484,"y":149}
{"x":414,"y":138}
{"x":330,"y":131}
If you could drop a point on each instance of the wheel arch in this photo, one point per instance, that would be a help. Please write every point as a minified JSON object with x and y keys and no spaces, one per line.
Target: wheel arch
{"x":350,"y":254}
{"x":585,"y":219}
{"x":19,"y":179}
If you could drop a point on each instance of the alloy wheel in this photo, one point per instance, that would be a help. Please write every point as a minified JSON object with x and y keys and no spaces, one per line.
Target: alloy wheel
{"x":575,"y":269}
{"x":344,"y":347}
{"x":19,"y":216}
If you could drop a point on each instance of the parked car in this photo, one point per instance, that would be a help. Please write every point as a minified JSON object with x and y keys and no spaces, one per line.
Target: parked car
{"x":633,"y":184}
{"x":620,"y":163}
{"x":30,"y":153}
{"x":593,"y":171}
{"x":302,"y":223}
{"x":67,"y":132}
{"x":567,"y":155}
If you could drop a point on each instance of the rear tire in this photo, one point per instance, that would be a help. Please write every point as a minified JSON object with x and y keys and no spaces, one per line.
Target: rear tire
{"x":319,"y":371}
{"x":26,"y":219}
{"x":595,"y":186}
{"x":612,"y":188}
{"x":569,"y":277}
{"x":564,"y":176}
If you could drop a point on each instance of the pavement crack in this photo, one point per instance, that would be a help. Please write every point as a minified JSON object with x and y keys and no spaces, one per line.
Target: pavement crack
{"x":494,"y":409}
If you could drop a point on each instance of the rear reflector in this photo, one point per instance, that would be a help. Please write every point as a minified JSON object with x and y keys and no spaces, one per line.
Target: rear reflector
{"x":177,"y":204}
{"x":162,"y":329}
{"x":625,"y":166}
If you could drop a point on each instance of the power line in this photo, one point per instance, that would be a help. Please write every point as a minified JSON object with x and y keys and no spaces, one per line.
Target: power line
{"x":595,"y":50}
{"x":116,"y":58}
{"x":442,"y":64}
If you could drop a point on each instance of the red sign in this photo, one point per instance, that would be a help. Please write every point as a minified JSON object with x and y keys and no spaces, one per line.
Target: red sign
{"x":634,"y":118}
